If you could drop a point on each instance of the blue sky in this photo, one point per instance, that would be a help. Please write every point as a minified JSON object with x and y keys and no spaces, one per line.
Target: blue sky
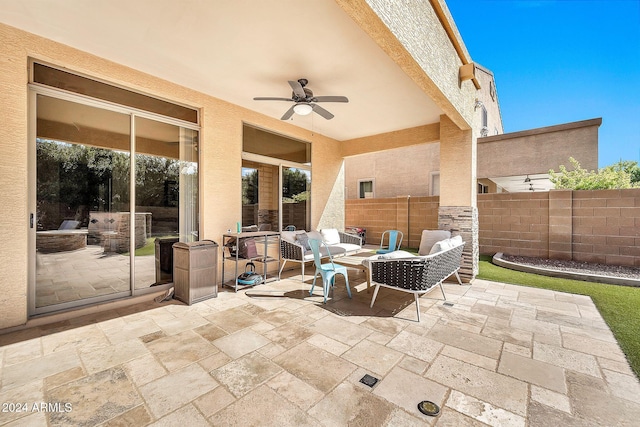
{"x":561,"y":61}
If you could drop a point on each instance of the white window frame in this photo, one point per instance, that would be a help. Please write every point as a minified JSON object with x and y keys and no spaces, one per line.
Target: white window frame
{"x":373,"y":188}
{"x":432,"y":191}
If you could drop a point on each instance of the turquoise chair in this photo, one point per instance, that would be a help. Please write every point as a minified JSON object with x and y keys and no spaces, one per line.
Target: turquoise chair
{"x":395,"y":241}
{"x":328,"y":271}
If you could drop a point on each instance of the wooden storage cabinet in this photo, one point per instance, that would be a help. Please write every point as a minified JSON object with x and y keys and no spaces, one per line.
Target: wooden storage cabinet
{"x":195,"y":267}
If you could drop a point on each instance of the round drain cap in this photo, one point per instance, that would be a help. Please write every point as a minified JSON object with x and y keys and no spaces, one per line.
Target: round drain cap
{"x":428,"y":408}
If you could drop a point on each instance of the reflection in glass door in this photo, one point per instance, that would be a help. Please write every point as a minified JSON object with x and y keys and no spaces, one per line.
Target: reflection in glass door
{"x":166,"y":197}
{"x":296,"y":187}
{"x":89,"y":219}
{"x":82,"y":203}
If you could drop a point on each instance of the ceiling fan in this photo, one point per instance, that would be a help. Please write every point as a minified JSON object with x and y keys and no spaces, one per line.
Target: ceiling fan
{"x":304,"y":101}
{"x":532,"y":188}
{"x":528,"y":179}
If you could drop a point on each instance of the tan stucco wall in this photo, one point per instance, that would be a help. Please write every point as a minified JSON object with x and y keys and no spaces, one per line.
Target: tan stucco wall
{"x":220,"y":151}
{"x":489,"y":99}
{"x":538,"y":150}
{"x":458,"y":151}
{"x":399,"y":172}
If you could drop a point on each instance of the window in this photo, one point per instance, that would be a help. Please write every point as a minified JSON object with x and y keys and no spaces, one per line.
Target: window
{"x":482,"y":189}
{"x":276,"y":181}
{"x":435,"y":183}
{"x":365,"y":188}
{"x":485,"y":129}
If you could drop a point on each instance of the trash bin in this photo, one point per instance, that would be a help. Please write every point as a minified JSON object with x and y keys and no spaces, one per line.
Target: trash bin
{"x":164,"y":259}
{"x":195,"y":271}
{"x":358,"y":231}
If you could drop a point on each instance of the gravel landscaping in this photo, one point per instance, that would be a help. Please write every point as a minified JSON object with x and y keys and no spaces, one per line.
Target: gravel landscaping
{"x":577,"y":267}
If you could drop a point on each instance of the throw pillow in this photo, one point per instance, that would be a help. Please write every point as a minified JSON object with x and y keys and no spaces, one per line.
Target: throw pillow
{"x":330,"y":236}
{"x":429,"y":238}
{"x":456,"y":240}
{"x":440,"y":246}
{"x":303,"y":239}
{"x":288,"y":236}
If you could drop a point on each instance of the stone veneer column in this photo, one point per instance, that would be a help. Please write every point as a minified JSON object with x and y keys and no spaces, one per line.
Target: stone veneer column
{"x":463,"y":221}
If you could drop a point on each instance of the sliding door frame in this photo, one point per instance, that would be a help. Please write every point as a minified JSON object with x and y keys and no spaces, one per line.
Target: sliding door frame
{"x":36,"y":89}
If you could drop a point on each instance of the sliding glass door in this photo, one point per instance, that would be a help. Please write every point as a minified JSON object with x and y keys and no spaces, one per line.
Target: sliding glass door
{"x":82,"y":190}
{"x":112,"y":189}
{"x":296,"y":189}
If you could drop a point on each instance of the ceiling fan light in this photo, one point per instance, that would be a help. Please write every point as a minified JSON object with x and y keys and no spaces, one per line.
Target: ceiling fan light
{"x":302,"y":109}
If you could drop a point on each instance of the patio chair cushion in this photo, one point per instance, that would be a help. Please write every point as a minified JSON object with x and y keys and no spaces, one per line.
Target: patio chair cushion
{"x":288,"y":236}
{"x":445,"y":244}
{"x":303,"y":239}
{"x":429,"y":238}
{"x":330,"y":236}
{"x":390,"y":255}
{"x":313,"y":234}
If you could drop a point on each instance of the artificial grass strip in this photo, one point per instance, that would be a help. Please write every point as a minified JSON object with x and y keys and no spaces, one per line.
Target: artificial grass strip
{"x":618,"y":305}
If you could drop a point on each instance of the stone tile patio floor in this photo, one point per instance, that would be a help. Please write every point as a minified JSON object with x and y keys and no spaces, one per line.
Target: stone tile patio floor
{"x":501,"y":355}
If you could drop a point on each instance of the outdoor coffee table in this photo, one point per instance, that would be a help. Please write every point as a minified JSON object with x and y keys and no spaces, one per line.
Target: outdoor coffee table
{"x":355,"y":261}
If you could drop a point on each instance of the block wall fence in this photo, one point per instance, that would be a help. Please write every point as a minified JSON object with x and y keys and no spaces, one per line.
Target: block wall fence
{"x":600,"y":226}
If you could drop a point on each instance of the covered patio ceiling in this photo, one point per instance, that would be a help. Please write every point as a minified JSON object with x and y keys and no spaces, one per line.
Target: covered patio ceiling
{"x":524,"y":183}
{"x":236,"y":50}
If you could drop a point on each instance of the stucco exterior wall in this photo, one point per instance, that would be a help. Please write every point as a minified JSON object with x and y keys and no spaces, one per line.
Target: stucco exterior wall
{"x":399,"y":172}
{"x":538,"y":150}
{"x":488,"y":95}
{"x":220,"y":154}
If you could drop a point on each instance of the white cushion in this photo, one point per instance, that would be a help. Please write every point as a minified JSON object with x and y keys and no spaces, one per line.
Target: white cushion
{"x":429,"y":238}
{"x":330,"y":236}
{"x":347,"y":247}
{"x":288,"y":236}
{"x":445,"y":244}
{"x":390,"y":255}
{"x":395,"y":254}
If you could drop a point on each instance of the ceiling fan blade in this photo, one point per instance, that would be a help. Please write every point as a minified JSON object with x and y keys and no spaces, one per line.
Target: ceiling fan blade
{"x":330,"y":99}
{"x":287,"y":115}
{"x":297,"y":89}
{"x":324,"y":113}
{"x":271,"y":98}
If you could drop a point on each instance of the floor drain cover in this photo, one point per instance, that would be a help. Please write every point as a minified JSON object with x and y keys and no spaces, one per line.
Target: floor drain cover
{"x":428,"y":408}
{"x":368,"y":380}
{"x":448,"y":304}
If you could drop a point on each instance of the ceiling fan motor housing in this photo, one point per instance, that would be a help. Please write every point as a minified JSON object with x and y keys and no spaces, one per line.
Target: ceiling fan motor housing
{"x":308,"y":96}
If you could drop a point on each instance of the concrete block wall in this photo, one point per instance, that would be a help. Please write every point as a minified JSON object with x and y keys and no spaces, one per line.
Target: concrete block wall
{"x":410,"y":215}
{"x":601,"y":226}
{"x":514,"y":223}
{"x":606,"y":226}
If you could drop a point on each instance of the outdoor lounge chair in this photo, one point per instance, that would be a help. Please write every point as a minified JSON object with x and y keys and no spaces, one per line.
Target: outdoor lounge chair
{"x":417,"y":274}
{"x":294,"y":246}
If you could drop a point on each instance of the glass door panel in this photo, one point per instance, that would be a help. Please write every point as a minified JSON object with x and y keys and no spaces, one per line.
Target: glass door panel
{"x":296,"y":186}
{"x":82,"y":203}
{"x":166,"y":197}
{"x":260,"y":195}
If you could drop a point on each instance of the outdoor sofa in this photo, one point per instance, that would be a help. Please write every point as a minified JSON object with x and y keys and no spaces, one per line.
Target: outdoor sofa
{"x":417,"y":274}
{"x":294,"y":246}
